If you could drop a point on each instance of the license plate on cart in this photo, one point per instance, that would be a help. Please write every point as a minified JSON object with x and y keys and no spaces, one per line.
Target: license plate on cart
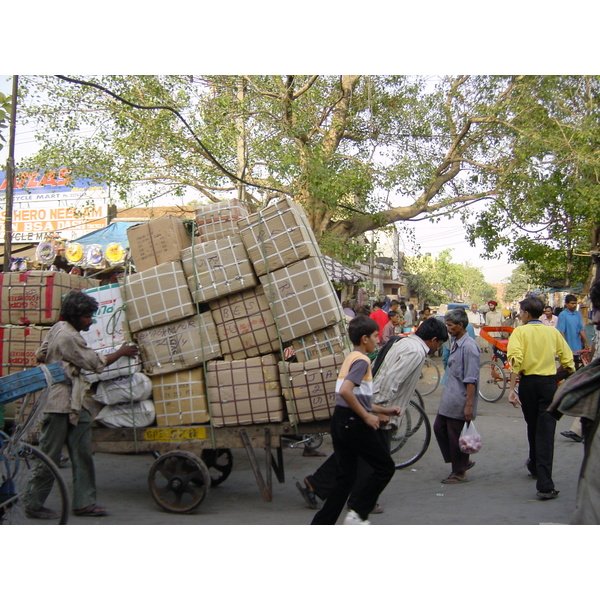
{"x":175,"y":434}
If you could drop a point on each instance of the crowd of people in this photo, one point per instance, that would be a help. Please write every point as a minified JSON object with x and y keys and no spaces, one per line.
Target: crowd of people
{"x":371,"y":396}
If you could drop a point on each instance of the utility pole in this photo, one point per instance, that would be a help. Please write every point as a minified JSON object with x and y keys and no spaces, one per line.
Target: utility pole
{"x":10,"y":177}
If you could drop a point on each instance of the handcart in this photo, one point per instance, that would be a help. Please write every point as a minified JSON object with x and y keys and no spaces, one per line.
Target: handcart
{"x":493,"y":373}
{"x":192,"y":459}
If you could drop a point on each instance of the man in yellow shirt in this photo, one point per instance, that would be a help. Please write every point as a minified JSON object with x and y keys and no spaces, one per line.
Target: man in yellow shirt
{"x":532,"y":352}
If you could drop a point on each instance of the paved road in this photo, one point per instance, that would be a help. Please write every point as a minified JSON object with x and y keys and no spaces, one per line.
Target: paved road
{"x":500,"y":490}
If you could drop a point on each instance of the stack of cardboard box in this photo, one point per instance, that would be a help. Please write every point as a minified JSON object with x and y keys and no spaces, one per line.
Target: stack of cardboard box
{"x":224,"y":304}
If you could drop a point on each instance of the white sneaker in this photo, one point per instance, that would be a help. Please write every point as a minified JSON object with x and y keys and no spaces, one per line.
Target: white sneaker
{"x":352,"y":518}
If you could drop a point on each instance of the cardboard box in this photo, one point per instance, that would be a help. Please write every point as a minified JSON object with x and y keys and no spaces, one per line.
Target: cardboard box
{"x":309,"y":388}
{"x":180,"y":398}
{"x":109,"y":332}
{"x":218,"y":220}
{"x":18,"y":345}
{"x":277,"y":236}
{"x":302,"y":299}
{"x":35,"y":297}
{"x":242,"y":392}
{"x":156,"y":296}
{"x":158,"y":241}
{"x":218,"y":268}
{"x":333,"y":340}
{"x":178,"y":346}
{"x":245,"y":324}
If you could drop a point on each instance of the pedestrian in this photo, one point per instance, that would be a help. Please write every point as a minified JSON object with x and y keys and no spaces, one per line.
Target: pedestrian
{"x":532,"y":351}
{"x":355,"y":432}
{"x":548,"y":318}
{"x":458,"y":404}
{"x":493,"y":318}
{"x":394,"y":381}
{"x":393,"y":327}
{"x":477,"y":320}
{"x":68,"y":410}
{"x":579,"y":396}
{"x":407,"y":317}
{"x":380,"y":317}
{"x":570,"y":324}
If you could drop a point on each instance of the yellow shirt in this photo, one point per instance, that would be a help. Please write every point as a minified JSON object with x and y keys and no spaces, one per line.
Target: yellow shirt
{"x":533,"y":348}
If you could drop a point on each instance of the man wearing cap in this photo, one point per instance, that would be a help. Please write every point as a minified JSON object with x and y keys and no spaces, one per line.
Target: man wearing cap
{"x":493,"y":318}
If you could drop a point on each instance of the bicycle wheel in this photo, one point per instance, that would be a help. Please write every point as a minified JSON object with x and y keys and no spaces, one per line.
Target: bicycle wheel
{"x":429,"y":379}
{"x":17,"y":468}
{"x":492,"y":381}
{"x":411,"y":440}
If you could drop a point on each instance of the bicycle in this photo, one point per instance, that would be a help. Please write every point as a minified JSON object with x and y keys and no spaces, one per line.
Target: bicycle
{"x":411,"y":440}
{"x":429,"y":379}
{"x":21,"y":461}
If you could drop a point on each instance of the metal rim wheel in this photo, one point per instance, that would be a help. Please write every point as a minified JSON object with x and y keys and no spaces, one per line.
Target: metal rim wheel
{"x":179,"y":481}
{"x":219,"y":463}
{"x":429,"y":378}
{"x":492,"y":381}
{"x":411,"y":440}
{"x":314,"y":440}
{"x":17,"y":468}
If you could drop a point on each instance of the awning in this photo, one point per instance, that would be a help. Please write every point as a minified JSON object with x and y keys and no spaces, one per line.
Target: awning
{"x":115,"y":232}
{"x":338,"y":273}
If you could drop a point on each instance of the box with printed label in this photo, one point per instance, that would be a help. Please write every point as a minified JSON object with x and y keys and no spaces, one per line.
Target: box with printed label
{"x":157,"y":295}
{"x":157,"y":241}
{"x":18,"y":345}
{"x":302,"y":299}
{"x":218,"y":220}
{"x":278,"y":235}
{"x":35,"y":297}
{"x":242,"y":392}
{"x":108,"y":332}
{"x":180,"y":398}
{"x":217,"y":268}
{"x":309,"y":388}
{"x":178,"y":346}
{"x":245,"y":324}
{"x":332,"y":340}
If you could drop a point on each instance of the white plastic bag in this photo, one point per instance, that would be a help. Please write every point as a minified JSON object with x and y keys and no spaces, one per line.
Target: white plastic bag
{"x":469,"y":441}
{"x":136,"y":387}
{"x":138,"y":414}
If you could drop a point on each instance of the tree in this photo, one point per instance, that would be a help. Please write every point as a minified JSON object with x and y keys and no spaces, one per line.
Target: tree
{"x":520,"y":282}
{"x":4,"y":116}
{"x":438,"y":280}
{"x":547,"y":211}
{"x":340,"y":145}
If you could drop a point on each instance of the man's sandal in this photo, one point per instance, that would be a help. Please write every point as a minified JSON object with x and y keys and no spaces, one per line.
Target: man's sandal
{"x":92,"y":510}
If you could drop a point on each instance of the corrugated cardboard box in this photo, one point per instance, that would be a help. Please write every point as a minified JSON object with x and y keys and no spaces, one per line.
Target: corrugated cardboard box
{"x":245,"y":324}
{"x":218,"y":220}
{"x":242,"y":392}
{"x":178,"y":346}
{"x":278,"y":235}
{"x":302,"y":299}
{"x":35,"y":296}
{"x":180,"y":398}
{"x":157,"y":295}
{"x":309,"y":388}
{"x":18,"y":346}
{"x":217,"y":268}
{"x":326,"y":342}
{"x":108,"y":332}
{"x":158,"y":241}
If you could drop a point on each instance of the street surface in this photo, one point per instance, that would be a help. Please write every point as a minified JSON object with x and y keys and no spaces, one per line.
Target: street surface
{"x":500,"y":491}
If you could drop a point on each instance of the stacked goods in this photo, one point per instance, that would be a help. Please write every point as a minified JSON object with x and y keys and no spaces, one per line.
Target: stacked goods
{"x":309,"y":388}
{"x":158,"y":241}
{"x":217,"y":268}
{"x":35,"y":297}
{"x":278,"y":235}
{"x":322,"y":343}
{"x":178,"y":346}
{"x":219,"y":220}
{"x":180,"y":398}
{"x":157,"y":296}
{"x":242,"y":392}
{"x":18,"y":346}
{"x":108,"y":333}
{"x":245,"y":324}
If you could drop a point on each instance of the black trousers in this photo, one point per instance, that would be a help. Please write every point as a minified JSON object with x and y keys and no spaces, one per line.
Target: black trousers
{"x":353,"y":440}
{"x":536,"y":393}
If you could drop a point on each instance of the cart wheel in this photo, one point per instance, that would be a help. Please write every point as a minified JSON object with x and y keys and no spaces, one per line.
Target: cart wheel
{"x":219,"y":463}
{"x":314,"y":441}
{"x":178,"y":481}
